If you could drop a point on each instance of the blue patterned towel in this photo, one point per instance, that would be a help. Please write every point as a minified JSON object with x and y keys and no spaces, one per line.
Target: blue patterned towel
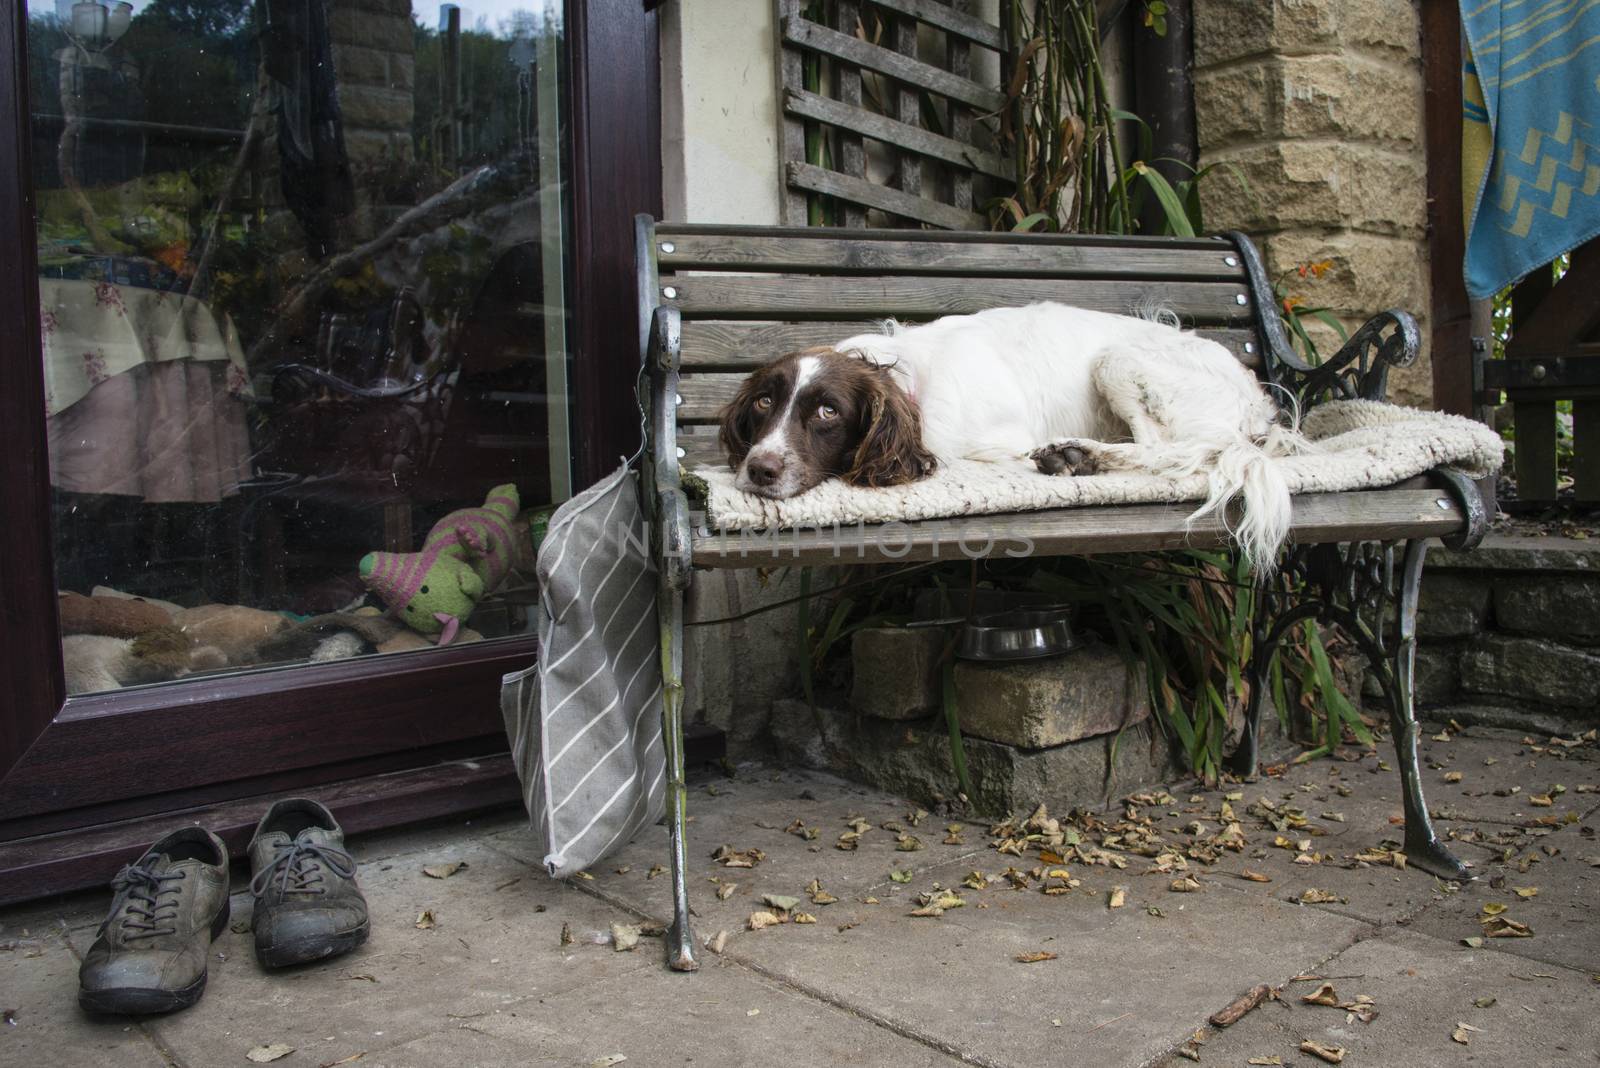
{"x":1531,"y":135}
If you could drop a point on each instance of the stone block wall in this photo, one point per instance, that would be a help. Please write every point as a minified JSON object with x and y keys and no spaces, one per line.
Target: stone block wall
{"x":1315,"y":111}
{"x":1509,"y":634}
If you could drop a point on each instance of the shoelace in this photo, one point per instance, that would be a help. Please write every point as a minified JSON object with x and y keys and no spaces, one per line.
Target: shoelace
{"x":298,"y":869}
{"x":150,"y":897}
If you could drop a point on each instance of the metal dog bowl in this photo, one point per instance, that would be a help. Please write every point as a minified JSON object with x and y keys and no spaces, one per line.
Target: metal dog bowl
{"x":1015,"y":634}
{"x":1022,"y":634}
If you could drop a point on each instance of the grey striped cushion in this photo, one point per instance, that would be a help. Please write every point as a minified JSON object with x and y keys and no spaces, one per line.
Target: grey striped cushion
{"x":585,"y":721}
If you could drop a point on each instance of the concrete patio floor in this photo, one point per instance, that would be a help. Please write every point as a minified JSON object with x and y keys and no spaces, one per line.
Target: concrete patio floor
{"x":490,"y":983}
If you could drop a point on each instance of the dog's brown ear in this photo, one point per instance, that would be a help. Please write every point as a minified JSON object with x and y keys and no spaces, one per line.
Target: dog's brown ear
{"x":891,"y":451}
{"x":738,"y":421}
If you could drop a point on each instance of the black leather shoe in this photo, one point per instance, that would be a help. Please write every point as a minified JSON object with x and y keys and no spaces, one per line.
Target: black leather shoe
{"x":308,"y":906}
{"x":150,"y":954}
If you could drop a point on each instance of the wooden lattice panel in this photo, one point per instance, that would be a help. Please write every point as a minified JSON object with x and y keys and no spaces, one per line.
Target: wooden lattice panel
{"x":934,"y":170}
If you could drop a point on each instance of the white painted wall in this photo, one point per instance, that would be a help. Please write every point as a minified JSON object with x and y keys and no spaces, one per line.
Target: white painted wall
{"x":719,"y":146}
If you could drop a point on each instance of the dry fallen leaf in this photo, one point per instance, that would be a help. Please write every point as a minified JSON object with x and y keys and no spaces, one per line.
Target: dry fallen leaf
{"x":425,"y":920}
{"x":608,"y":1061}
{"x":1186,"y":885}
{"x":1035,"y":957}
{"x":1464,"y":1032}
{"x":758,"y":920}
{"x":738,"y":858}
{"x":1452,"y":776}
{"x":1493,"y":908}
{"x":1118,"y":898}
{"x":1255,"y":876}
{"x":927,"y":910}
{"x":1269,"y":1061}
{"x":654,"y":871}
{"x":1313,"y":896}
{"x":976,"y":880}
{"x":725,"y":891}
{"x":901,"y":876}
{"x":1526,"y":891}
{"x":1541,"y":800}
{"x":717,"y":942}
{"x":781,"y":902}
{"x":1322,"y":995}
{"x":624,"y":936}
{"x":1331,"y":1054}
{"x":268,"y":1054}
{"x":443,"y":871}
{"x":1502,"y":927}
{"x":1484,"y":1002}
{"x":803,"y":917}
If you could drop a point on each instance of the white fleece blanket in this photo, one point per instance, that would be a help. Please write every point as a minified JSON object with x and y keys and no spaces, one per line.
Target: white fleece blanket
{"x":1361,"y":445}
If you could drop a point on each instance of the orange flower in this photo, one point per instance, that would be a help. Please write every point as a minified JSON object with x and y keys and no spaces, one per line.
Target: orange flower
{"x":1291,"y":303}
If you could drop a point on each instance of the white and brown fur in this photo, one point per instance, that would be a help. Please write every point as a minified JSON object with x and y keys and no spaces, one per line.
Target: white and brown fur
{"x":1070,"y":390}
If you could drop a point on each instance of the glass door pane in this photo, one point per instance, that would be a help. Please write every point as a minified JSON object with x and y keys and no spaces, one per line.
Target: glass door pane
{"x":304,"y":325}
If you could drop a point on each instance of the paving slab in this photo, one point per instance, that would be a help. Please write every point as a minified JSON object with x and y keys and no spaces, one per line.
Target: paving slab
{"x":724,"y":1015}
{"x":491,"y":919}
{"x":39,"y":999}
{"x":752,"y":811}
{"x":1126,"y":986}
{"x":1563,"y":911}
{"x":1422,"y":989}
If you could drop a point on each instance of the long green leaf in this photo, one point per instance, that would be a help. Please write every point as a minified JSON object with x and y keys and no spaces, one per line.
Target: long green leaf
{"x":952,"y":721}
{"x":1171,"y":204}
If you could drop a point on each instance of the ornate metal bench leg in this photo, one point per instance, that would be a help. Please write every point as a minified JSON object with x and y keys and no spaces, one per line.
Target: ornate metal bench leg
{"x":1422,"y":846}
{"x":680,"y":936}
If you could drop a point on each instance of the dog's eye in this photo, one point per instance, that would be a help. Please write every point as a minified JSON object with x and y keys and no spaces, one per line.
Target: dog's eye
{"x":764,"y":403}
{"x":827,"y":411}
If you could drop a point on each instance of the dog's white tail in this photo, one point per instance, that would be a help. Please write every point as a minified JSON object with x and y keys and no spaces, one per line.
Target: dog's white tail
{"x":1239,"y":463}
{"x":1246,"y":468}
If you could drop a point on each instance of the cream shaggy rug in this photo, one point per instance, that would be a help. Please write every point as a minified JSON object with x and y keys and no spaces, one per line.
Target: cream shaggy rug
{"x":1361,"y":445}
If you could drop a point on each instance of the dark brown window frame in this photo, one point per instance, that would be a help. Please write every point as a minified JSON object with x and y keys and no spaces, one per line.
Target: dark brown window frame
{"x":70,"y":764}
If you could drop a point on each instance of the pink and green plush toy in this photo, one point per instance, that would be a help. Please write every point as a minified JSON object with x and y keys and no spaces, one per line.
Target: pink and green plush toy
{"x":466,"y":555}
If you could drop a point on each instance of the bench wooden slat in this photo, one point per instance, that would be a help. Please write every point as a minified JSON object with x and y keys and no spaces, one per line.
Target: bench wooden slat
{"x":747,"y":345}
{"x":671,"y":230}
{"x":809,"y":297}
{"x":948,"y":18}
{"x":869,"y":194}
{"x":704,"y":393}
{"x":882,"y":128}
{"x":807,"y":34}
{"x":1318,"y":517}
{"x":916,"y":257}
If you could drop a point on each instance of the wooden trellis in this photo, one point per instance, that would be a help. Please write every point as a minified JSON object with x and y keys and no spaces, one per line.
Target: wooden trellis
{"x":934,"y":171}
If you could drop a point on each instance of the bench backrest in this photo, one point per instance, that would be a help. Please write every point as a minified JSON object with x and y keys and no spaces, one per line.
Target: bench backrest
{"x":749,"y":294}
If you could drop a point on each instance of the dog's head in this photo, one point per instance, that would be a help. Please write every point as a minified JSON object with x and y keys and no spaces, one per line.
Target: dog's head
{"x":819,"y":414}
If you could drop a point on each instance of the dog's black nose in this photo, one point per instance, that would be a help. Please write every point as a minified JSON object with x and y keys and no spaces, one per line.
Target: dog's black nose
{"x":764,"y":471}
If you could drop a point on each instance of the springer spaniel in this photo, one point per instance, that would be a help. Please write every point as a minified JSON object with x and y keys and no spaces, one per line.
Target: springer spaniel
{"x":1070,"y":390}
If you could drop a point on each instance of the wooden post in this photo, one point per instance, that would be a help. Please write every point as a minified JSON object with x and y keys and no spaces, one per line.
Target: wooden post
{"x":792,"y":138}
{"x":847,"y":78}
{"x":1535,"y":419}
{"x":908,"y":109}
{"x":959,"y":60}
{"x":1586,"y":449}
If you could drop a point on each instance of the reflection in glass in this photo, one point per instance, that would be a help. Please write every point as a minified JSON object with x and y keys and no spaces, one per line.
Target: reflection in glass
{"x":303,"y":325}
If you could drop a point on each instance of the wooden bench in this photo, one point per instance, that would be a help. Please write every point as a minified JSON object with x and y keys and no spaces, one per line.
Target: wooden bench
{"x":718,"y":301}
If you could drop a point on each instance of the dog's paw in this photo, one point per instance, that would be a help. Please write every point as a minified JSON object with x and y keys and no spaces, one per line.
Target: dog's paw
{"x":1065,"y":458}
